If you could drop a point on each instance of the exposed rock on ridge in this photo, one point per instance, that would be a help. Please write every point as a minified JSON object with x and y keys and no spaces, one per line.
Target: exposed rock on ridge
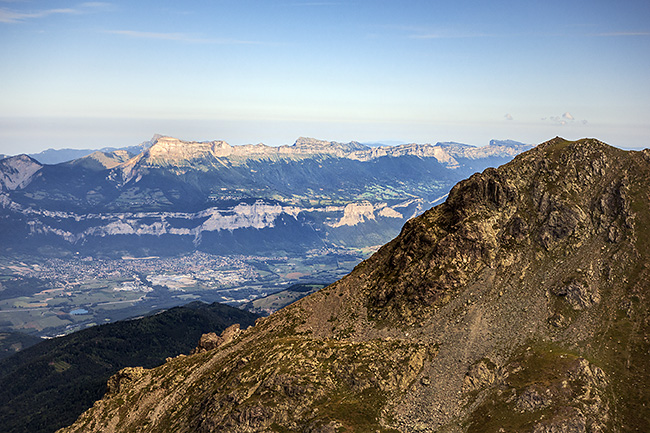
{"x":17,"y":172}
{"x":211,"y":340}
{"x":106,"y":159}
{"x":450,"y":327}
{"x":169,"y":151}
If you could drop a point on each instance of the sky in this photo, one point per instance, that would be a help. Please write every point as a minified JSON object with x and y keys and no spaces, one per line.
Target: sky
{"x":111,"y":74}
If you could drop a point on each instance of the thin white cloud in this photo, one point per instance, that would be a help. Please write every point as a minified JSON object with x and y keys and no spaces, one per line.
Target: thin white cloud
{"x":420,"y":32}
{"x":623,"y":34}
{"x":180,"y":37}
{"x":417,"y":32}
{"x":318,"y":4}
{"x":98,"y":5}
{"x":9,"y":16}
{"x":564,"y":119}
{"x":557,"y":119}
{"x":449,"y":35}
{"x":15,"y":16}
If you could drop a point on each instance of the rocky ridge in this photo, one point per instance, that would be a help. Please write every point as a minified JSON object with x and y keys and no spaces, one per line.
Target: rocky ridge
{"x":519,"y":304}
{"x":258,"y":215}
{"x":169,"y":151}
{"x":178,"y":196}
{"x":106,"y":160}
{"x":17,"y":172}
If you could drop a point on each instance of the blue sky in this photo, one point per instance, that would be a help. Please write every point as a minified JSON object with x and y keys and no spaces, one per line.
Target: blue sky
{"x":95,"y":74}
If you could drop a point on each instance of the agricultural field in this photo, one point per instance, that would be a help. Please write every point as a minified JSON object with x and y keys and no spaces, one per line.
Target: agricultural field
{"x":50,"y":297}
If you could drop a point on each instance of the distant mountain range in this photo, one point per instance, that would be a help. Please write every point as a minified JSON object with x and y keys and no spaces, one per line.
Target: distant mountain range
{"x":520,"y":304}
{"x":175,"y":196}
{"x":57,"y":156}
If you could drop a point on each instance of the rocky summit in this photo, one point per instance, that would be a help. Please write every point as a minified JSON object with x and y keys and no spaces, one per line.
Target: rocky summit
{"x":518,"y":305}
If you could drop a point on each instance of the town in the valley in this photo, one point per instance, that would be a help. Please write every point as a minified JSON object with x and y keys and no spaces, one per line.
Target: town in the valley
{"x":54,"y":296}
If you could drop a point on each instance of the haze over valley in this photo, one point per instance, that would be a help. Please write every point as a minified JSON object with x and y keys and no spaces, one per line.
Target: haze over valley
{"x":115,"y":234}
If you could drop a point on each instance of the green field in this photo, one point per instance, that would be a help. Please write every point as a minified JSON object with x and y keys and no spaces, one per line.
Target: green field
{"x":51,"y":297}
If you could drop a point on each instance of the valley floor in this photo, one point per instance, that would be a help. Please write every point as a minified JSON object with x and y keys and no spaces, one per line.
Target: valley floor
{"x":49,"y":297}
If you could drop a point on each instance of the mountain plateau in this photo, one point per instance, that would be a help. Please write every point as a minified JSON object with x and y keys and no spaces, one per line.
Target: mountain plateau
{"x":177,"y":196}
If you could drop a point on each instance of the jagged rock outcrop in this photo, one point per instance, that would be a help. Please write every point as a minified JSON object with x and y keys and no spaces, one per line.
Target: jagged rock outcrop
{"x":211,"y":340}
{"x":511,"y":307}
{"x":123,"y":378}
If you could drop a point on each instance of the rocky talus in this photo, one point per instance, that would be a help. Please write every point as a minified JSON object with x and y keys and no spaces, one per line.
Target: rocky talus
{"x":518,"y":305}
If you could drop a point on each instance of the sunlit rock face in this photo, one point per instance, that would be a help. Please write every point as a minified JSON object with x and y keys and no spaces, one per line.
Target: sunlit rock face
{"x":213,"y":196}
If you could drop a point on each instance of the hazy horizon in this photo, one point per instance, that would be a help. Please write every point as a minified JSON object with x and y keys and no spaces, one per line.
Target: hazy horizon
{"x":110,"y":74}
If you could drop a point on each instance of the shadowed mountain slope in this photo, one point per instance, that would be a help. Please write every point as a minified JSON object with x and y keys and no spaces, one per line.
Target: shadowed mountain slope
{"x":518,"y":305}
{"x":48,"y":385}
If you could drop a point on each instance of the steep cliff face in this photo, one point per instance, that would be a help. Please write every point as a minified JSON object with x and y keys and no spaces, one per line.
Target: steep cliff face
{"x":172,"y":152}
{"x":518,"y":305}
{"x":294,"y":198}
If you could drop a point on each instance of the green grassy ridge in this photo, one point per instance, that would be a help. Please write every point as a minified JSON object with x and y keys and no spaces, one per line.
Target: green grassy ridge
{"x":47,"y":386}
{"x":318,"y":382}
{"x":281,"y":299}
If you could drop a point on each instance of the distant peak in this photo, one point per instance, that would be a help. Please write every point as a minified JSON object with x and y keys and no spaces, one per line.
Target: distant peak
{"x":308,"y":141}
{"x":17,"y":171}
{"x":170,"y":151}
{"x":154,"y":139}
{"x":173,"y":141}
{"x":147,"y":144}
{"x":507,"y":143}
{"x":106,"y":159}
{"x":23,"y":158}
{"x":453,"y":144}
{"x":166,"y":139}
